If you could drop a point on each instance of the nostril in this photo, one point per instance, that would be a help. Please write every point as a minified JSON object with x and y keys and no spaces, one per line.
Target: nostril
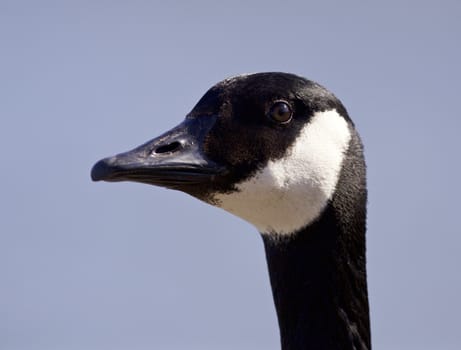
{"x":171,"y":147}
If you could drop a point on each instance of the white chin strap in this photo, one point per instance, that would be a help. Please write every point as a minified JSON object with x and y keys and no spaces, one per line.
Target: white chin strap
{"x":290,"y":193}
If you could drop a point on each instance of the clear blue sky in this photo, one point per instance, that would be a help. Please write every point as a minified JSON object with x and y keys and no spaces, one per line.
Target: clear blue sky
{"x":100,"y":266}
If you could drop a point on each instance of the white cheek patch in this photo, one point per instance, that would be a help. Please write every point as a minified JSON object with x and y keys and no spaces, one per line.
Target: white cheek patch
{"x":290,"y":193}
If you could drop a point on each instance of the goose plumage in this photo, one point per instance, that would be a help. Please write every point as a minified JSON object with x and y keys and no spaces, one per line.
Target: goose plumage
{"x":281,"y":152}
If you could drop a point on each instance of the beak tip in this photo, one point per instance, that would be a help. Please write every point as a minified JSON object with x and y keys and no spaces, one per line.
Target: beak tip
{"x":100,"y":171}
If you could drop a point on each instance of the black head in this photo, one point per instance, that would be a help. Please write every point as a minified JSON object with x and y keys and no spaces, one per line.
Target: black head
{"x":238,"y":127}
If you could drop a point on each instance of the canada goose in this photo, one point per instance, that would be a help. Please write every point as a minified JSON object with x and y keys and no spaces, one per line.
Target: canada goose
{"x":281,"y":152}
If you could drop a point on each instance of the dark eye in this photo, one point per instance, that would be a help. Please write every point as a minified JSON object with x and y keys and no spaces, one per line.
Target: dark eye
{"x":280,"y":112}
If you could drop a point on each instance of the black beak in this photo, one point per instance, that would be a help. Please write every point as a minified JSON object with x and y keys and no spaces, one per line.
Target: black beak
{"x":175,"y":159}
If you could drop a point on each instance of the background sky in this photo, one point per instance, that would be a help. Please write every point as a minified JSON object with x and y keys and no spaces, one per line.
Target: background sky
{"x":94,"y":266}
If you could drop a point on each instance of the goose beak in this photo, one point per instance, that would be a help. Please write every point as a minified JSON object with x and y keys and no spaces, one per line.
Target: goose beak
{"x":174,"y":160}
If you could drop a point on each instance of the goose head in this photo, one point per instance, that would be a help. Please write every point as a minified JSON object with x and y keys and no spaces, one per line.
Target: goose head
{"x":266,"y":147}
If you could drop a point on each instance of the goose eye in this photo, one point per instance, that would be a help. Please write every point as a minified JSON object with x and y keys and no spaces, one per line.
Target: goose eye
{"x":280,"y":112}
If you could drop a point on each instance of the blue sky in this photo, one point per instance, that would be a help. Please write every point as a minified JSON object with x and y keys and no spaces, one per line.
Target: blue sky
{"x":127,"y":266}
